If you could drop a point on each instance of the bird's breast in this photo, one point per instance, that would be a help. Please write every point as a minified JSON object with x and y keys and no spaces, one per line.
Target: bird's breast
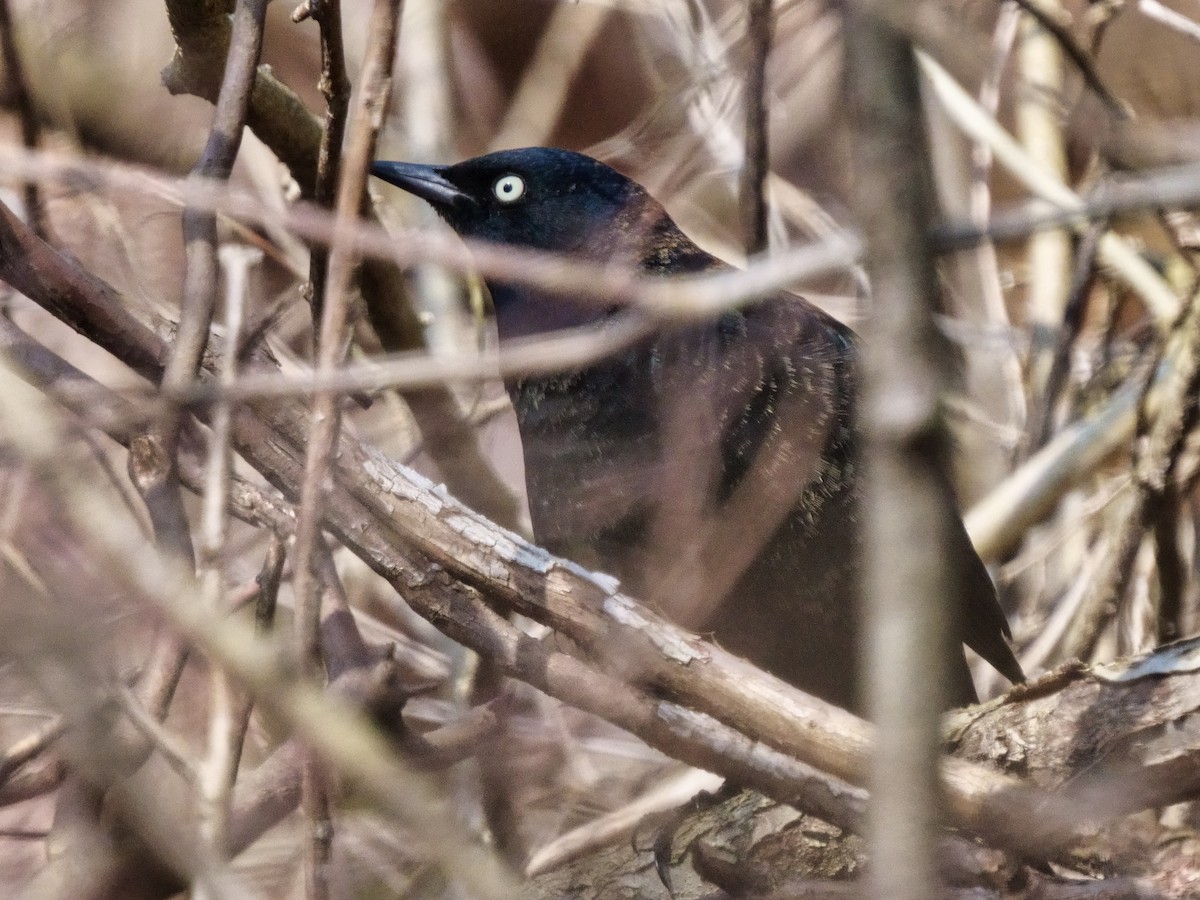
{"x":591,"y":451}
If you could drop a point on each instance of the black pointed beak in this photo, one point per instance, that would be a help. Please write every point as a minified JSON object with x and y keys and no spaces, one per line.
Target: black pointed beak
{"x":427,"y":182}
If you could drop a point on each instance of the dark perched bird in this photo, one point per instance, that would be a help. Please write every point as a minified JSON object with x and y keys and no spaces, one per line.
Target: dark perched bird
{"x":712,"y":467}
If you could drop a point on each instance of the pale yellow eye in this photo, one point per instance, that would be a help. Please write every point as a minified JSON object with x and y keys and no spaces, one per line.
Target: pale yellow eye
{"x":509,"y":188}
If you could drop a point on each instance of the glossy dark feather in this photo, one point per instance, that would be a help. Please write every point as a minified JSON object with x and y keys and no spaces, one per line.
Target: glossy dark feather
{"x":713,"y":468}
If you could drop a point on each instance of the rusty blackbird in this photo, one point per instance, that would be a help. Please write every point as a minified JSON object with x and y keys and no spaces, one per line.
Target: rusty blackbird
{"x":712,"y":467}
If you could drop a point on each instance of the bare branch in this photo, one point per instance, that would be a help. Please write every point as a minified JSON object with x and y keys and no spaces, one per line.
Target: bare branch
{"x":1051,"y":19}
{"x":333,"y":299}
{"x":14,"y":70}
{"x":226,"y":726}
{"x":757,"y":167}
{"x":335,"y":86}
{"x":910,"y":576}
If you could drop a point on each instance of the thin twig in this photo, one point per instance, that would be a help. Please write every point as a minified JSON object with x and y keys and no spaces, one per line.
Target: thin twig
{"x":1051,"y":21}
{"x":374,"y":85}
{"x":980,"y":205}
{"x":14,"y":70}
{"x":372,"y":96}
{"x":215,"y":163}
{"x":335,"y":86}
{"x":557,"y":351}
{"x":174,"y":750}
{"x":1170,"y":187}
{"x":989,"y":100}
{"x":757,"y":160}
{"x":998,"y":521}
{"x":991,"y":371}
{"x":1160,"y":12}
{"x":428,"y":130}
{"x":27,"y":748}
{"x":218,"y":768}
{"x":1083,"y":276}
{"x":318,"y":834}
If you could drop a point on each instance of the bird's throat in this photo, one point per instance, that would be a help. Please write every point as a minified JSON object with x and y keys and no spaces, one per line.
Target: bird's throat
{"x":521,"y":312}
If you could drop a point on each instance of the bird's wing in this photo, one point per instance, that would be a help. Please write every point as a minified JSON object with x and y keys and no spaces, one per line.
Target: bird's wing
{"x":982,"y":623}
{"x":756,"y":403}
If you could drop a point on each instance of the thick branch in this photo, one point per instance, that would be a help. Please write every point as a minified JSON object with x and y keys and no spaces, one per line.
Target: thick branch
{"x":910,"y":517}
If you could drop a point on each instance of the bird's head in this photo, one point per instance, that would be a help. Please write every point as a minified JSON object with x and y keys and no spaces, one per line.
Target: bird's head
{"x":552,"y":200}
{"x":538,"y":197}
